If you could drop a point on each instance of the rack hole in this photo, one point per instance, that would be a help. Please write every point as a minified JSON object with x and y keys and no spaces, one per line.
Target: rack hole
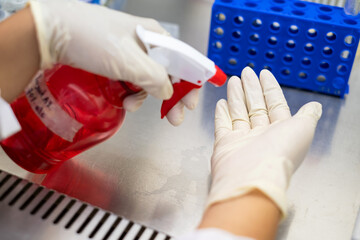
{"x":279,"y":1}
{"x":250,"y":4}
{"x":324,"y":65}
{"x":293,"y":29}
{"x":312,"y":32}
{"x":324,"y":17}
{"x":239,"y":20}
{"x":302,"y":75}
{"x":277,"y":9}
{"x":275,"y":26}
{"x":257,"y":23}
{"x":218,"y":45}
{"x":306,"y":61}
{"x":219,"y":31}
{"x":252,"y":51}
{"x":331,"y":36}
{"x":234,"y":48}
{"x":325,"y":9}
{"x":251,"y":64}
{"x":298,"y":13}
{"x":272,"y":40}
{"x":349,"y":40}
{"x":254,"y":37}
{"x":309,"y":47}
{"x":288,"y":58}
{"x":236,"y":34}
{"x":268,"y":67}
{"x":270,"y":55}
{"x":350,"y":21}
{"x":221,"y":17}
{"x":300,"y":4}
{"x":232,"y":61}
{"x":341,"y":69}
{"x":345,"y":55}
{"x":327,"y":50}
{"x":290,"y":44}
{"x":227,"y":1}
{"x":321,"y":78}
{"x":285,"y":72}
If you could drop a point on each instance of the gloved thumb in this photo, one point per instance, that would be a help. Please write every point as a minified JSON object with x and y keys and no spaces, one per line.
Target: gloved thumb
{"x":312,"y":110}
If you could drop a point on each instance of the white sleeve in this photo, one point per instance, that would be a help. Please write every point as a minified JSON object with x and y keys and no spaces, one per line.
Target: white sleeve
{"x":9,"y":124}
{"x":211,"y":234}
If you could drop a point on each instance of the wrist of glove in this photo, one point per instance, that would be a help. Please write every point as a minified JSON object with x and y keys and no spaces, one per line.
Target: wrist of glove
{"x":258,"y":144}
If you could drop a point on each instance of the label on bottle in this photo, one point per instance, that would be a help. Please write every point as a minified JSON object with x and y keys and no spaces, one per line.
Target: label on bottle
{"x":49,"y":111}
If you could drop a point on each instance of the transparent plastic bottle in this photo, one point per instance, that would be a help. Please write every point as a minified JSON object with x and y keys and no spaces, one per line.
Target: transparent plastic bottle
{"x":63,"y":112}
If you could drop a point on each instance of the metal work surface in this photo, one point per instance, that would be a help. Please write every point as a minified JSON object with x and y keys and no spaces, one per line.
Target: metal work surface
{"x":158,"y":175}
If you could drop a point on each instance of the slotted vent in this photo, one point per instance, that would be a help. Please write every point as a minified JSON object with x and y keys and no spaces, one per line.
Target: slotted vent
{"x":64,"y":213}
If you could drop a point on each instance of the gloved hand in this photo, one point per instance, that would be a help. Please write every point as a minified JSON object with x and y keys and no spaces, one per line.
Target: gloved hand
{"x":258,"y":144}
{"x":104,"y":42}
{"x":176,"y":115}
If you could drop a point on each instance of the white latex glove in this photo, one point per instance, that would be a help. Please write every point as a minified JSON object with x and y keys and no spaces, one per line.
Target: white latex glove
{"x":98,"y":40}
{"x":190,"y":101}
{"x":258,"y":145}
{"x":176,"y":115}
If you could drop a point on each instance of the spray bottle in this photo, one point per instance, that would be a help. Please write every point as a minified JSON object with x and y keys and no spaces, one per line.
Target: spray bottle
{"x":65,"y":111}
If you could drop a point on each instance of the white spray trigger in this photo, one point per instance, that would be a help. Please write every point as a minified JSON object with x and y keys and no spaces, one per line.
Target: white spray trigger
{"x":179,"y":59}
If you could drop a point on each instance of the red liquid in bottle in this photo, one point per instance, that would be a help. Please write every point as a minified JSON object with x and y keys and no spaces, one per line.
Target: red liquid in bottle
{"x":85,"y":109}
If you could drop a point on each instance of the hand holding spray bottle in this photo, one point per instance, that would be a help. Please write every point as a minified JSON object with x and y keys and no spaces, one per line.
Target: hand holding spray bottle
{"x":65,"y":111}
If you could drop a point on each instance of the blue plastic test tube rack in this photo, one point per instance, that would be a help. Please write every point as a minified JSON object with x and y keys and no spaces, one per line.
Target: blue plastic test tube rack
{"x":306,"y":45}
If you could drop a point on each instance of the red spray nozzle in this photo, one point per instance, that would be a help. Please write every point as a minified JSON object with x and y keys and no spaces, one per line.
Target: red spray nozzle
{"x":183,"y":87}
{"x":219,"y":78}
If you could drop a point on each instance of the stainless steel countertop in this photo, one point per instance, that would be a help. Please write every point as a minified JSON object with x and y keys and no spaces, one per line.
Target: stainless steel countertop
{"x":158,"y":175}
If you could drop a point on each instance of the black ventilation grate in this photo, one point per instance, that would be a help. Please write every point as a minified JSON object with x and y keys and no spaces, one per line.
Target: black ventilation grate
{"x":64,"y":213}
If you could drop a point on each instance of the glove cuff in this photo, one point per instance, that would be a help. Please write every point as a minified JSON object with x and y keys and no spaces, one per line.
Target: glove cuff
{"x":274,"y":193}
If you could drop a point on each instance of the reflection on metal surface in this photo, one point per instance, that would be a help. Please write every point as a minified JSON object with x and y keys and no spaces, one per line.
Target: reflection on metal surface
{"x":29,"y":210}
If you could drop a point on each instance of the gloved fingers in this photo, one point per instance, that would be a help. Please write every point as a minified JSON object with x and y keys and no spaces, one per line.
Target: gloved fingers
{"x":133,"y":102}
{"x":277,"y":106}
{"x":176,"y":115}
{"x":312,"y":110}
{"x":151,"y":25}
{"x":223,"y":123}
{"x":237,"y":108}
{"x":191,"y":99}
{"x":142,"y":71}
{"x":254,"y":98}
